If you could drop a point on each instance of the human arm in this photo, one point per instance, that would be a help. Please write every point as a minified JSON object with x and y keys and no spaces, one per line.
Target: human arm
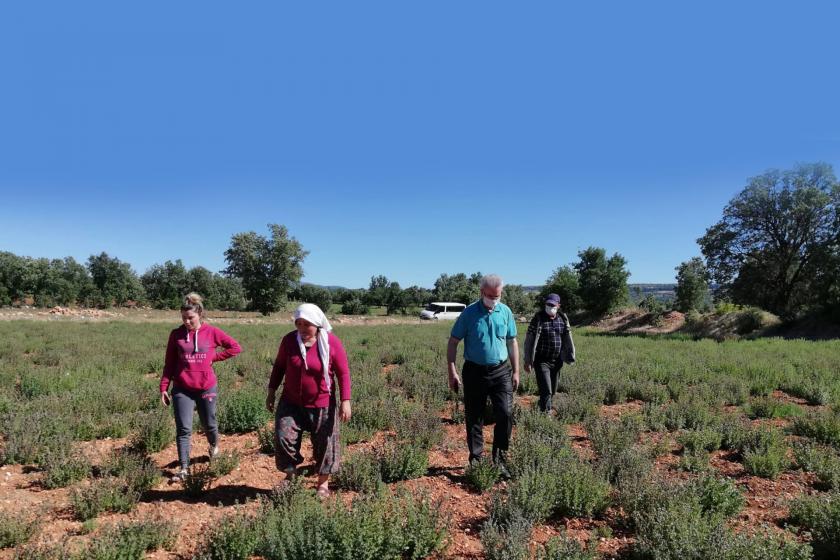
{"x":451,"y":357}
{"x":170,"y":365}
{"x":231,"y":347}
{"x":277,"y":373}
{"x":513,"y":354}
{"x":567,"y":348}
{"x":341,"y":368}
{"x":531,"y":341}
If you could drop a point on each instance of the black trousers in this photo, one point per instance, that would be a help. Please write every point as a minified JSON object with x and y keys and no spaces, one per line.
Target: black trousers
{"x":546,"y":371}
{"x":481,"y":382}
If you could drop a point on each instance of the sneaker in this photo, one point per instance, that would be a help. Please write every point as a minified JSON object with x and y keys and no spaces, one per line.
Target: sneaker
{"x":179,"y":476}
{"x":214,"y":451}
{"x":504,"y":473}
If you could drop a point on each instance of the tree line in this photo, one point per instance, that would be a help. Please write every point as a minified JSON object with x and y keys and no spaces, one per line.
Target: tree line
{"x":776,"y":246}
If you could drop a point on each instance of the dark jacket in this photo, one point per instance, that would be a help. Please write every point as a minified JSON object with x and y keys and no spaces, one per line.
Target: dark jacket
{"x":567,"y":349}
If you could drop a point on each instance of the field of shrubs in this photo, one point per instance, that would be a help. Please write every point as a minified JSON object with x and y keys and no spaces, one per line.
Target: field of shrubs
{"x":660,"y":448}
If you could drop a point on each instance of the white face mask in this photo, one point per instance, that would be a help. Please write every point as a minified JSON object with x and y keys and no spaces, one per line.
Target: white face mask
{"x":490,"y":303}
{"x":552,"y":311}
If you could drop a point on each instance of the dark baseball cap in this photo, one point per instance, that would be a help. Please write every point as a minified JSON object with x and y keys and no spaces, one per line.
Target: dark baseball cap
{"x":553,"y":298}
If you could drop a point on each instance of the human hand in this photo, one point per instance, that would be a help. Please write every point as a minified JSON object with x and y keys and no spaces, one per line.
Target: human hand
{"x":344,"y":411}
{"x":527,"y":368}
{"x":454,"y":381}
{"x":270,"y":400}
{"x":165,"y":399}
{"x":515,"y":380}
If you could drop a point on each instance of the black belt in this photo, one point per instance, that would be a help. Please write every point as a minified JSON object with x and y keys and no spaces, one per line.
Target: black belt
{"x":487,"y":368}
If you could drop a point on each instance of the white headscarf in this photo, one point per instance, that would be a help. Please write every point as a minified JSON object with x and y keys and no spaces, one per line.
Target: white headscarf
{"x":312,"y":313}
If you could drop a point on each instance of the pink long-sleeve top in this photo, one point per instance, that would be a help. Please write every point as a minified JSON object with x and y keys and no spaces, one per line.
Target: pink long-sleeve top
{"x":189,"y":361}
{"x":305,"y":386}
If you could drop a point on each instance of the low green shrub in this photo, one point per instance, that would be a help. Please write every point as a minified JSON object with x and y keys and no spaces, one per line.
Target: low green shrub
{"x":418,"y":424}
{"x":718,"y":496}
{"x":649,"y":392}
{"x":482,"y":475}
{"x":63,"y":468}
{"x":359,"y":473}
{"x":822,"y":460}
{"x":129,"y":541}
{"x":768,"y":407}
{"x":822,"y":426}
{"x":154,"y":431}
{"x":138,"y":471}
{"x":700,"y":440}
{"x":506,"y":541}
{"x":265,"y":437}
{"x":573,"y":407}
{"x":235,"y":537}
{"x":103,"y":495}
{"x":532,"y":451}
{"x":402,"y":461}
{"x":16,"y":529}
{"x":298,"y":526}
{"x":820,"y":515}
{"x":566,"y":548}
{"x":242,"y":411}
{"x":199,"y":480}
{"x":764,"y":452}
{"x":224,"y":463}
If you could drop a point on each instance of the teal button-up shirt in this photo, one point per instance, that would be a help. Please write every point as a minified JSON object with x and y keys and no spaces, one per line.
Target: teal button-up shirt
{"x":485,"y":333}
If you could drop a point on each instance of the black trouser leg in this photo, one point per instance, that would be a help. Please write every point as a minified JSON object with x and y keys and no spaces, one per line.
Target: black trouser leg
{"x":546,"y":373}
{"x":500,"y":389}
{"x":475,"y":398}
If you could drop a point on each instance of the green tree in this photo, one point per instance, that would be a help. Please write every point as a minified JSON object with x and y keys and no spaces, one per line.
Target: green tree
{"x":227,"y":293}
{"x":13,"y":278}
{"x":565,"y":283}
{"x":165,"y":284}
{"x":519,"y":301}
{"x":692,"y":285}
{"x":318,"y":295}
{"x":377,"y":293}
{"x":269,"y":268}
{"x":775,"y":238}
{"x":114,"y":282}
{"x":457,"y":288}
{"x":603,"y":281}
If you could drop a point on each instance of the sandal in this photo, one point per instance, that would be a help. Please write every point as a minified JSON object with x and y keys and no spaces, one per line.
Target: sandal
{"x":323,"y":493}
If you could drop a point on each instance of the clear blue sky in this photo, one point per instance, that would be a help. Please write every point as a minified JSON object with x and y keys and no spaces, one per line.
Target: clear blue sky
{"x":403,"y":138}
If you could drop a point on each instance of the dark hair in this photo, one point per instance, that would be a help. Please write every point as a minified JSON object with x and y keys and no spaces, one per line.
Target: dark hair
{"x":193,"y":302}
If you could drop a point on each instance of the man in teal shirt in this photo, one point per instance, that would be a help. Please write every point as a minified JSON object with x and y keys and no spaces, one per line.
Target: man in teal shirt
{"x":488,"y":330}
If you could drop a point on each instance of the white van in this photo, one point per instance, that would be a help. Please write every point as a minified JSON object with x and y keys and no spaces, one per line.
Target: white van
{"x":442,"y":310}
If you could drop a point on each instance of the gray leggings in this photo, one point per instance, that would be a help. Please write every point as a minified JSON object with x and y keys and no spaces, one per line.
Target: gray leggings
{"x":184,"y":402}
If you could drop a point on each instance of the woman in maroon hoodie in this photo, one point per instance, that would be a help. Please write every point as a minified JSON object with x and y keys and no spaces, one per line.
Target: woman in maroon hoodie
{"x":307,"y":360}
{"x":190,"y":355}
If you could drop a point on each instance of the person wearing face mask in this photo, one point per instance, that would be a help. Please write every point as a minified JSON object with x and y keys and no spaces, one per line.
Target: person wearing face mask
{"x":548,"y":344}
{"x":188,"y":368}
{"x":491,"y":368}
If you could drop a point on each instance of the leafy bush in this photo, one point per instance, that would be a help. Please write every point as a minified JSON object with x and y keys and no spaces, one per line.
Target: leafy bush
{"x":532,"y":451}
{"x":764,"y":452}
{"x":138,"y":471}
{"x":822,"y":426}
{"x":767,"y":407}
{"x":234,"y":538}
{"x":418,"y":424}
{"x":15,"y":529}
{"x":573,"y":407}
{"x":103,"y":495}
{"x":359,"y":472}
{"x":129,"y":541}
{"x":242,"y":411}
{"x":265,"y":437}
{"x":506,"y":541}
{"x":296,"y":525}
{"x":482,"y":475}
{"x":224,"y":463}
{"x":821,"y":460}
{"x":354,"y":307}
{"x":700,"y":440}
{"x":198,"y":481}
{"x":402,"y":461}
{"x":565,"y":548}
{"x":63,"y":468}
{"x":154,"y":432}
{"x":821,"y":516}
{"x":718,"y":496}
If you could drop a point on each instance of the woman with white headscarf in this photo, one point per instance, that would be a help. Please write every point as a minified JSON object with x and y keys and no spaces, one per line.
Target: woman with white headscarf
{"x":308,"y":359}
